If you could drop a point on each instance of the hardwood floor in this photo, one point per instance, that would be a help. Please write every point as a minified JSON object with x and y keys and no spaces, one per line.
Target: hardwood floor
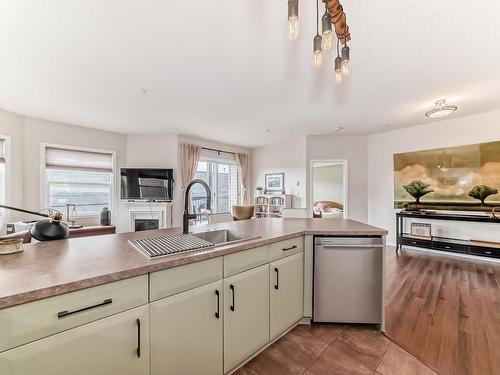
{"x":445,"y":311}
{"x":334,"y":350}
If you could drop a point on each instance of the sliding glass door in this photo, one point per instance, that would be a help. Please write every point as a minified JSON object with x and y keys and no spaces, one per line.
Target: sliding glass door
{"x":222,"y":177}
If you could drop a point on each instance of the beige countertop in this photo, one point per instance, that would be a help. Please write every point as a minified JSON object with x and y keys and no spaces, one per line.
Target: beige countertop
{"x":46,"y":269}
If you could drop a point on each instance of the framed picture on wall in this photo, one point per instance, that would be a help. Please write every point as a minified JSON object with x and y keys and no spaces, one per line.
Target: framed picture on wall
{"x":275,"y":183}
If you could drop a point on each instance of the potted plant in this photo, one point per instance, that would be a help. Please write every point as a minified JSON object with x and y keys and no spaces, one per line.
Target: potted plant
{"x":259,"y":189}
{"x":105,"y":216}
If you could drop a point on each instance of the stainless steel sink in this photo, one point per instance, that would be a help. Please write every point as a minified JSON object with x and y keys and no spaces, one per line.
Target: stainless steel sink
{"x":223,"y":236}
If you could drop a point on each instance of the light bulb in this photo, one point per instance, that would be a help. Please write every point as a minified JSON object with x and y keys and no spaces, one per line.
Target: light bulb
{"x":327,"y":41}
{"x":317,"y":53}
{"x":338,"y":77}
{"x":293,"y":19}
{"x":338,"y":70}
{"x":326,"y":31}
{"x":293,"y":28}
{"x":317,"y":59}
{"x":346,"y":68}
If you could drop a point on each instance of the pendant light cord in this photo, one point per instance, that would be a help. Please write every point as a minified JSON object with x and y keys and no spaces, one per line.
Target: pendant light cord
{"x":317,"y":17}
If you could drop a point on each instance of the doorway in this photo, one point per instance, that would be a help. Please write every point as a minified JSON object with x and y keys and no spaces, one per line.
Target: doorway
{"x":329,"y":189}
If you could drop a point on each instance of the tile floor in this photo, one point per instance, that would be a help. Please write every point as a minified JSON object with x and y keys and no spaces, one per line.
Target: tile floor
{"x":334,"y":350}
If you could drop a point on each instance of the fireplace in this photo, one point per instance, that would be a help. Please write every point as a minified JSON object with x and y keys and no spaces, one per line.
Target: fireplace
{"x":146,"y":224}
{"x":149,"y":215}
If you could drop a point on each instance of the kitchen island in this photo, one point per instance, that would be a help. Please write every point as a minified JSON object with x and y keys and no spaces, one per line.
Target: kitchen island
{"x":101,"y":297}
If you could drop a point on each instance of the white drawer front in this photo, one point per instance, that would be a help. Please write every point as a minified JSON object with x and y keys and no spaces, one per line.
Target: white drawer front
{"x":244,"y":260}
{"x":32,"y":321}
{"x":286,"y":248}
{"x":178,"y":279}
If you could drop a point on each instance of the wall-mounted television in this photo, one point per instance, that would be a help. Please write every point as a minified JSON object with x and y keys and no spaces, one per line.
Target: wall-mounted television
{"x":147,"y":184}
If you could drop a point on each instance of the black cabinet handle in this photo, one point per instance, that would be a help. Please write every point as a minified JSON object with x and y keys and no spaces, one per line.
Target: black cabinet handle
{"x":277,"y":285}
{"x":138,"y":350}
{"x":65,"y":313}
{"x":218,"y":304}
{"x":289,"y":248}
{"x":232,"y":290}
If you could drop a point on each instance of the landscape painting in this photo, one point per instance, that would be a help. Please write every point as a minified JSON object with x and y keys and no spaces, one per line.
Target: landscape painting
{"x":463,"y":178}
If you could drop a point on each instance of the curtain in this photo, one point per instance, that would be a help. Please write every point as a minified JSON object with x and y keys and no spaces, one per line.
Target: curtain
{"x":190,"y":154}
{"x":2,"y":150}
{"x":243,"y":162}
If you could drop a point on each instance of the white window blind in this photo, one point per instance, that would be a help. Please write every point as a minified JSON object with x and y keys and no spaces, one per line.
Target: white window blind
{"x":65,"y":159}
{"x":2,"y":150}
{"x":80,"y":178}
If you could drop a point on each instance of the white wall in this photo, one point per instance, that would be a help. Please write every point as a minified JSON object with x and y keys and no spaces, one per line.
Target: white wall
{"x":158,"y":151}
{"x":328,"y":183}
{"x":27,"y":134}
{"x":350,"y":148}
{"x":12,"y":126}
{"x":479,"y":128}
{"x":162,"y":151}
{"x":288,"y":157}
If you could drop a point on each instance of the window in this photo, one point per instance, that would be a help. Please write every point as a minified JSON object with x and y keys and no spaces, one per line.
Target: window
{"x":222,"y":177}
{"x":3,"y":182}
{"x":78,"y":177}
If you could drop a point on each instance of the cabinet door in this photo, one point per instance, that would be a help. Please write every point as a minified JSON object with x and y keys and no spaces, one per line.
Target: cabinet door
{"x":118,"y":344}
{"x":287,"y":293}
{"x":246,"y":314}
{"x":186,"y":332}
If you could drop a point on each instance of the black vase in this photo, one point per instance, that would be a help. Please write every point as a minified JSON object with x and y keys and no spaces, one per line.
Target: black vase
{"x":50,"y":229}
{"x":106,"y":217}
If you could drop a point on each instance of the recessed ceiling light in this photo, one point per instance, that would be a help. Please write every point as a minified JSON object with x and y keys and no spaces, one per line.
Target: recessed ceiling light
{"x":338,"y":128}
{"x":441,"y":109}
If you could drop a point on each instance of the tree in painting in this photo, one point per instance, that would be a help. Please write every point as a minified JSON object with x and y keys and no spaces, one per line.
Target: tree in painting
{"x":417,"y":189}
{"x":482,"y":192}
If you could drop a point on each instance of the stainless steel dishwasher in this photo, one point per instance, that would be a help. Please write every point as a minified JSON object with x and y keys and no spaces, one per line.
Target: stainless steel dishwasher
{"x":348,"y":279}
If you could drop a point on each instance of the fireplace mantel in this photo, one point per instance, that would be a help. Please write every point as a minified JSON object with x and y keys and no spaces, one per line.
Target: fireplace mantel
{"x":142,"y":210}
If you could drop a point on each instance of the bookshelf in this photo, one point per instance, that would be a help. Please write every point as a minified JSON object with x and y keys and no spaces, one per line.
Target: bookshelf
{"x":272,"y":205}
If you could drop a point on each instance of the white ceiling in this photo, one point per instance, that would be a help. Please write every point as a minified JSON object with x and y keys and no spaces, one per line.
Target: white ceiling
{"x":224,"y":69}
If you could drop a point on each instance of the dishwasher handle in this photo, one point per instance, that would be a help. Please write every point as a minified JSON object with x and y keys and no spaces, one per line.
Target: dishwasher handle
{"x":351,"y":246}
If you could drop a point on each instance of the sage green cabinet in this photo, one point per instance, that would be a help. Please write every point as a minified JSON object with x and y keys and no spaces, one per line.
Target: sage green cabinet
{"x":246,"y":315}
{"x":186,"y":332}
{"x":118,"y":344}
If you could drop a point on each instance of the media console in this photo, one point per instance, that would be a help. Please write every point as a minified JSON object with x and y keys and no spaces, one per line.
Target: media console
{"x":454,"y":245}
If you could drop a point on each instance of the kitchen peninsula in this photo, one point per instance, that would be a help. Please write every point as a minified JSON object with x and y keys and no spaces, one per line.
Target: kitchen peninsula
{"x":77,"y":298}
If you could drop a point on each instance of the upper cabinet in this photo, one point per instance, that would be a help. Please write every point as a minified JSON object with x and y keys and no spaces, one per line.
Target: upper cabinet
{"x":186,"y":332}
{"x":118,"y":344}
{"x":246,"y":314}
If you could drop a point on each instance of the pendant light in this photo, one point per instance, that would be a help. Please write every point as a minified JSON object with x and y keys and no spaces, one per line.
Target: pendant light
{"x":333,"y":25}
{"x":326,"y":31}
{"x":293,"y":20}
{"x":317,"y":52}
{"x":441,"y":109}
{"x":346,"y":68}
{"x":338,"y":66}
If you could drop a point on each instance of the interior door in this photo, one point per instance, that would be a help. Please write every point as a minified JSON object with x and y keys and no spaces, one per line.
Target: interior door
{"x":246,"y":314}
{"x":329,"y":180}
{"x":118,"y":344}
{"x":287,"y":290}
{"x":186,"y":332}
